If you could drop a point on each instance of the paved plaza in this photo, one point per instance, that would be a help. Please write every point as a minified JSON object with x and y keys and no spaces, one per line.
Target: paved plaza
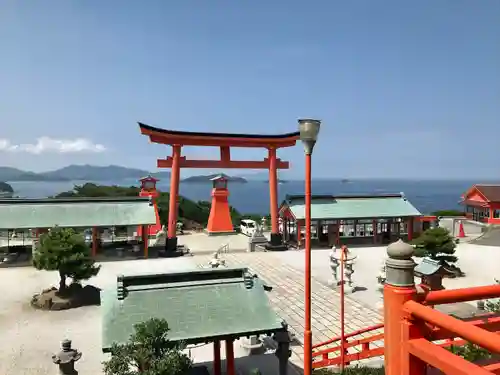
{"x":30,"y":337}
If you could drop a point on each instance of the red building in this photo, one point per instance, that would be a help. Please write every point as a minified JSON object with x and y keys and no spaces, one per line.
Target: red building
{"x":482,"y":203}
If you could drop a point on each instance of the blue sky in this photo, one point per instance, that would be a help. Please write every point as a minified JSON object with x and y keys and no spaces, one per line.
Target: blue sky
{"x":405,"y":89}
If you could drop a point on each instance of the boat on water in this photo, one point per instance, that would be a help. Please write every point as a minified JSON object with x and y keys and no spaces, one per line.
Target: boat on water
{"x":345,"y":181}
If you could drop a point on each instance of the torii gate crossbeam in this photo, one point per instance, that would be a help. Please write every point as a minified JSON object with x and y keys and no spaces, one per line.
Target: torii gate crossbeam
{"x":178,"y":139}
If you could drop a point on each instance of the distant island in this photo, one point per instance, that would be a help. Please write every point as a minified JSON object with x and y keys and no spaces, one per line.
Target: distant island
{"x":79,"y":173}
{"x":5,"y":190}
{"x":207,"y":178}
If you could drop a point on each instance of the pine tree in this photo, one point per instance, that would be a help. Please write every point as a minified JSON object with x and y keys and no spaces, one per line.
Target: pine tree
{"x":436,"y":243}
{"x":65,"y":251}
{"x":148,"y":352}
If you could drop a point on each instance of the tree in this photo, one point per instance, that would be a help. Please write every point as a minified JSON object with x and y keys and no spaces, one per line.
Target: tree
{"x":436,"y":243}
{"x":65,"y":251}
{"x":148,"y":352}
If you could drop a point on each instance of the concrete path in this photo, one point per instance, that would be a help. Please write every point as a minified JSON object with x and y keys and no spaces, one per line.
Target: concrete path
{"x":287,"y":299}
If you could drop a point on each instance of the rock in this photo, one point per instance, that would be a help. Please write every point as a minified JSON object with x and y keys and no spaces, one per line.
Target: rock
{"x":74,"y":296}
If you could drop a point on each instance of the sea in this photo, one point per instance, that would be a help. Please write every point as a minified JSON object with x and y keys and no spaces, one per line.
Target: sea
{"x":253,"y":197}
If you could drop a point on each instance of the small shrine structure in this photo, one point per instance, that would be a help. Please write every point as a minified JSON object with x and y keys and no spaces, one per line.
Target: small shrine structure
{"x":224,"y":141}
{"x":431,"y":273}
{"x":200,"y":306}
{"x":219,"y":221}
{"x":148,"y":189}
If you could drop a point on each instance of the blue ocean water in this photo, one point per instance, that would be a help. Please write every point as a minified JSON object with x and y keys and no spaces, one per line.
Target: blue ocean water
{"x":253,"y":197}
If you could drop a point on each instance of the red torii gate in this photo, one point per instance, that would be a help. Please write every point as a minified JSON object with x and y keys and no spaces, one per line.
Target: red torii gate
{"x":178,"y":139}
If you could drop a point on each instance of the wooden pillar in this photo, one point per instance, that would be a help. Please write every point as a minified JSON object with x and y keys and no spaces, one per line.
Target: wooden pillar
{"x":145,"y":240}
{"x":230,"y":357}
{"x":95,"y":235}
{"x":374,"y":225}
{"x":174,"y":193}
{"x":273,"y":196}
{"x":217,"y":361}
{"x":410,"y":228}
{"x":299,"y":233}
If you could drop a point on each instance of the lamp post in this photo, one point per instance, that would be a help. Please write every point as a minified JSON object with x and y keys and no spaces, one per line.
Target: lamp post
{"x":309,"y":130}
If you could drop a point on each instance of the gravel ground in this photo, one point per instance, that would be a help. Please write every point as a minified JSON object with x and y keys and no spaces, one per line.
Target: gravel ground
{"x":30,"y":337}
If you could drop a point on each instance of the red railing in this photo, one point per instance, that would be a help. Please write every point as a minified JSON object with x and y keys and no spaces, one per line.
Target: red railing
{"x":424,"y":325}
{"x":322,"y":357}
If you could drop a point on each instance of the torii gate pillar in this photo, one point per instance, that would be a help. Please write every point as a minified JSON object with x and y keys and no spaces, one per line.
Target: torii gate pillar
{"x":224,"y":141}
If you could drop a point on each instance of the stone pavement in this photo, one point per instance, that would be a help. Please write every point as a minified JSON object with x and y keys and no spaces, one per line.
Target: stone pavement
{"x":287,"y":299}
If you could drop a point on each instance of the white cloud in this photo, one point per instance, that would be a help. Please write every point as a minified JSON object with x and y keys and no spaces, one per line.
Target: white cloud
{"x":47,"y":144}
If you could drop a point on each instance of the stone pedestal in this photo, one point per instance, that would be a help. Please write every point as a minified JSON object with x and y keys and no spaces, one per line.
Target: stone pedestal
{"x":257,"y":238}
{"x":66,"y":359}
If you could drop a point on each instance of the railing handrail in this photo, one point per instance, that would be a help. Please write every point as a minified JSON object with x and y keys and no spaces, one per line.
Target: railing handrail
{"x":349,"y":335}
{"x":443,"y":359}
{"x":471,"y":333}
{"x":445,"y":296}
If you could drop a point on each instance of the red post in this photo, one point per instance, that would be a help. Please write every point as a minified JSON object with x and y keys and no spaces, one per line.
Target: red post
{"x":230,"y":358}
{"x":273,"y":196}
{"x":307,"y":281}
{"x":410,"y":229}
{"x":145,"y":240}
{"x":174,"y":193}
{"x":342,"y":306}
{"x":398,"y":289}
{"x":217,"y":361}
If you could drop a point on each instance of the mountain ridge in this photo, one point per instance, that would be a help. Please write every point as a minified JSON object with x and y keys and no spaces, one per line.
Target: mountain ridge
{"x":73,"y":172}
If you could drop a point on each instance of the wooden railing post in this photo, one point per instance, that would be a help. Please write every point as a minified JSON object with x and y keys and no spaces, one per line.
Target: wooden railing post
{"x":399,"y":288}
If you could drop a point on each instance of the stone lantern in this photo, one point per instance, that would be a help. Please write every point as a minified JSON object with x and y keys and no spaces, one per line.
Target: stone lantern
{"x":66,"y":358}
{"x":349,"y":260}
{"x":263,"y":223}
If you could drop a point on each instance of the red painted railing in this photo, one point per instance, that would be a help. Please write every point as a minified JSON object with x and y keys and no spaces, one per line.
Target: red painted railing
{"x":424,"y":325}
{"x":322,"y":356}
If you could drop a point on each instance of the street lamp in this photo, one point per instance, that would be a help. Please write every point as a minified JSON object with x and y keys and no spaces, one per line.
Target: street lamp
{"x":309,"y":130}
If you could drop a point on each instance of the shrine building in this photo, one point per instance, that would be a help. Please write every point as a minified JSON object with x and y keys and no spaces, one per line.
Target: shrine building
{"x":201,"y":306}
{"x":36,"y":216}
{"x":482,"y":203}
{"x":351,"y":219}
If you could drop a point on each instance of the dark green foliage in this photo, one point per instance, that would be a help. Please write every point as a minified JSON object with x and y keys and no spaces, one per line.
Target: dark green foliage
{"x":354,"y":370}
{"x":436,"y":243}
{"x":470,"y":352}
{"x":148,"y":352}
{"x":63,"y":250}
{"x":94,"y":191}
{"x":448,"y":213}
{"x":5,"y":187}
{"x":197,"y":212}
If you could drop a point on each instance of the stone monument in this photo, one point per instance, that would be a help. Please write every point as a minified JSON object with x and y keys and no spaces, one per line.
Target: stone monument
{"x":257,"y":238}
{"x":66,"y":358}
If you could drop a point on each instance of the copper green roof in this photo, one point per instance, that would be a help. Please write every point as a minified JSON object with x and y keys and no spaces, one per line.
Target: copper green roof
{"x":199,"y":305}
{"x":352,"y":207}
{"x":75,"y":212}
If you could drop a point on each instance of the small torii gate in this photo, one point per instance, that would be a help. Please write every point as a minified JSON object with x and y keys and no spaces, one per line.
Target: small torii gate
{"x":178,"y":139}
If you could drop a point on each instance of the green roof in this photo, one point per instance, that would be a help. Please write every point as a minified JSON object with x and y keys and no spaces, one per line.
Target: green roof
{"x":75,"y":212}
{"x":353,"y":207}
{"x":199,"y":305}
